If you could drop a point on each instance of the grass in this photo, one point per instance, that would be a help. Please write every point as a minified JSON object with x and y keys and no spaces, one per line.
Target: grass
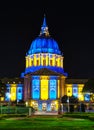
{"x":47,"y":123}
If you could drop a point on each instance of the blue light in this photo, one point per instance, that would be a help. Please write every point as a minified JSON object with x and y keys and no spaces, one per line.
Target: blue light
{"x":19,"y":92}
{"x":75,"y":90}
{"x":7,"y":94}
{"x":44,"y":45}
{"x":53,"y":68}
{"x":87,"y":97}
{"x":35,"y":88}
{"x":52,"y":86}
{"x":44,"y":22}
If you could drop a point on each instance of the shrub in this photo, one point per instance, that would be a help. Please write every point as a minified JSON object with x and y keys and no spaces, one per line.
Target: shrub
{"x":91,"y":118}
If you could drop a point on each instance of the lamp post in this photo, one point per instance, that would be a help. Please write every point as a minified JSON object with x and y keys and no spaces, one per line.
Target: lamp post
{"x":68,"y":104}
{"x":79,"y":96}
{"x":0,"y":105}
{"x":89,"y":93}
{"x":9,"y":101}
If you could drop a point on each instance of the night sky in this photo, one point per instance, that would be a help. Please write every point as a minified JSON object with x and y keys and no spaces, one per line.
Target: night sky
{"x":71,"y":25}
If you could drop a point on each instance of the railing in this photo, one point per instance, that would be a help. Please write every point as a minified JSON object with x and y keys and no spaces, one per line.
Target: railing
{"x":16,"y":110}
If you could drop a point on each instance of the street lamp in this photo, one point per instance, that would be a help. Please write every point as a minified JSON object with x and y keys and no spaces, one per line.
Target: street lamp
{"x":79,"y":97}
{"x":9,"y":99}
{"x":68,"y":104}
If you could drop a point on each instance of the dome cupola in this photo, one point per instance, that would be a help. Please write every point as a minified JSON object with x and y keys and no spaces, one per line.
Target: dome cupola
{"x":44,"y":43}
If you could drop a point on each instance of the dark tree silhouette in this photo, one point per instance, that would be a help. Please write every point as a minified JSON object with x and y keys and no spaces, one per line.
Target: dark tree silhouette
{"x":72,"y":99}
{"x":89,"y":86}
{"x":2,"y":89}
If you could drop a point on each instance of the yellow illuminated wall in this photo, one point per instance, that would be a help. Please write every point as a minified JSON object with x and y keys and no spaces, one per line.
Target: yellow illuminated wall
{"x":1,"y":98}
{"x":13,"y":92}
{"x":30,"y":61}
{"x":37,"y":59}
{"x":27,"y":62}
{"x":58,"y":89}
{"x":69,"y":89}
{"x":62,"y":62}
{"x":80,"y":94}
{"x":34,"y":60}
{"x":47,"y":58}
{"x":44,"y":88}
{"x":59,"y":61}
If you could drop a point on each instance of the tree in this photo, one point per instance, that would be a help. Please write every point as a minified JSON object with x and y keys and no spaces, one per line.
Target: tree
{"x":2,"y":92}
{"x":72,"y":100}
{"x":89,"y":86}
{"x":2,"y":89}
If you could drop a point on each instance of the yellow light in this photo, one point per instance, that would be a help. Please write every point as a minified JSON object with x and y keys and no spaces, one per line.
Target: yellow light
{"x":44,"y":88}
{"x":81,"y":97}
{"x":80,"y":94}
{"x":2,"y":98}
{"x":32,"y":102}
{"x":30,"y":61}
{"x":69,"y":89}
{"x":13,"y":92}
{"x":26,"y":62}
{"x":61,"y":62}
{"x":58,"y":89}
{"x":26,"y":103}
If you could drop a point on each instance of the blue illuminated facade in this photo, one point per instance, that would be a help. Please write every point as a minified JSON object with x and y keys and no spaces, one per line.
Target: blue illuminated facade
{"x":53,"y":89}
{"x":75,"y":90}
{"x":35,"y":88}
{"x":44,"y":45}
{"x":7,"y":95}
{"x":19,"y":92}
{"x":43,"y":72}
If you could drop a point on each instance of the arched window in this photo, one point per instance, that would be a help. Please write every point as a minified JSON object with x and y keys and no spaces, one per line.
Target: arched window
{"x":35,"y":88}
{"x":52,"y":87}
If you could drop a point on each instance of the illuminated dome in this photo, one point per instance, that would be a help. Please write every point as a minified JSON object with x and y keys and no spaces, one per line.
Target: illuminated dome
{"x":44,"y":43}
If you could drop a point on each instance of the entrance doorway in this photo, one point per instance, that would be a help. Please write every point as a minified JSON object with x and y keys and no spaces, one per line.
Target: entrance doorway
{"x":44,"y":106}
{"x":53,"y":106}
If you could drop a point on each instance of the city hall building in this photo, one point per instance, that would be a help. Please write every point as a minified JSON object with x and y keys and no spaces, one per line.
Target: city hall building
{"x":44,"y":80}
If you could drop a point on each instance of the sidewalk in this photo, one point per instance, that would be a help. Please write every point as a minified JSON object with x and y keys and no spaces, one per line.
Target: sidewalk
{"x":45,"y":113}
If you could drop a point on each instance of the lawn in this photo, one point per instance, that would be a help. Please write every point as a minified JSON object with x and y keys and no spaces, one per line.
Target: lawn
{"x":47,"y":123}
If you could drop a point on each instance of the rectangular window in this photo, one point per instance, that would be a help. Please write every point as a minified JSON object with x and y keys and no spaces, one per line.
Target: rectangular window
{"x":13,"y":93}
{"x":69,"y":90}
{"x":19,"y":92}
{"x":31,"y":62}
{"x":44,"y":89}
{"x":56,"y":63}
{"x":44,"y":62}
{"x":52,"y":87}
{"x":75,"y":90}
{"x":37,"y":62}
{"x":51,"y":63}
{"x":7,"y":94}
{"x":35,"y":88}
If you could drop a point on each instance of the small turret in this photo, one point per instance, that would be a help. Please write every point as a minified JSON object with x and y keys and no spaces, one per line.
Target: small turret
{"x":44,"y":28}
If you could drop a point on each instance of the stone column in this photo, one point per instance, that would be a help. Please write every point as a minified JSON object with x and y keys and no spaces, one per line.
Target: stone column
{"x":27,"y":86}
{"x":62,"y":86}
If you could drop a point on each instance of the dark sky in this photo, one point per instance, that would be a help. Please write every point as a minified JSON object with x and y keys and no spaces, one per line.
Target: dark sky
{"x":70,"y":24}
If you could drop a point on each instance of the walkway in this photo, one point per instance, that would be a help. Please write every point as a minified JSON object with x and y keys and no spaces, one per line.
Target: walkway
{"x":45,"y":113}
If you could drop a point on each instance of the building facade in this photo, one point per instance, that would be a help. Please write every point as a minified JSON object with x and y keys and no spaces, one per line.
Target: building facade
{"x":44,"y":81}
